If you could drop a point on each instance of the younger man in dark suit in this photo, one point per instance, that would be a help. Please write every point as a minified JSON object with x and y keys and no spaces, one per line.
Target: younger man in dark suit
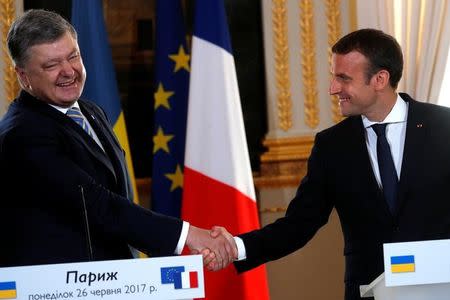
{"x":385,"y":168}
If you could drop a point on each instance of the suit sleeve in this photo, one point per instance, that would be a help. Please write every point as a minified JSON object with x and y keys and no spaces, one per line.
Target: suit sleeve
{"x":306,"y":213}
{"x":37,"y":156}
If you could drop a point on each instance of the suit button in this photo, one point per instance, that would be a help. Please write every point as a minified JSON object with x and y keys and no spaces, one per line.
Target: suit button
{"x":396,"y":229}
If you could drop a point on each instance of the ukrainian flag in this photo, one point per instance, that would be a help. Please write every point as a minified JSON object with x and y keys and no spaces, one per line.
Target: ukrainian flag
{"x":402,"y":264}
{"x":8,"y":290}
{"x":101,"y":85}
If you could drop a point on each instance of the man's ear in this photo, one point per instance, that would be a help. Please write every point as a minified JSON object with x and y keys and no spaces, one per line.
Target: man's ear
{"x":22,"y":75}
{"x":381,"y":79}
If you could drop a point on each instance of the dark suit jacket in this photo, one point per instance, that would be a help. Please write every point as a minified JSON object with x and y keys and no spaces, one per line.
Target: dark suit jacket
{"x":340,"y":175}
{"x":45,"y":157}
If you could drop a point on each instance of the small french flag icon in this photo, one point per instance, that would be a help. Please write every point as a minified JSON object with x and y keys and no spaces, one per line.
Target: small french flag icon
{"x":189,"y":280}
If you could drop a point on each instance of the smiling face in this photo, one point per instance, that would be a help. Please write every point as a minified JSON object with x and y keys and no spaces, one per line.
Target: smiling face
{"x":357,"y":93}
{"x":54,"y":72}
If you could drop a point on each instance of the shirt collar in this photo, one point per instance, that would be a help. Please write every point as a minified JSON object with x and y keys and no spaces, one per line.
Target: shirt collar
{"x":398,"y":114}
{"x":65,"y":109}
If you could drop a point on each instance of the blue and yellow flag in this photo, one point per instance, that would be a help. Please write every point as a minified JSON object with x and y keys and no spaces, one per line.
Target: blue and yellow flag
{"x":101,"y":85}
{"x":8,"y":290}
{"x":170,"y":106}
{"x":402,"y":264}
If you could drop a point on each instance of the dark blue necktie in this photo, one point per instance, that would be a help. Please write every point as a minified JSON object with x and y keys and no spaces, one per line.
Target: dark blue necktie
{"x":388,"y":175}
{"x":75,"y":114}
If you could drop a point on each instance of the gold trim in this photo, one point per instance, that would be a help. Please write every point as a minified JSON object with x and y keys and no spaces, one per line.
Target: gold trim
{"x":7,"y":13}
{"x":281,"y":49}
{"x":308,"y":62}
{"x":273,"y":210}
{"x":353,"y":15}
{"x":334,"y":33}
{"x":276,"y":181}
{"x":287,"y":149}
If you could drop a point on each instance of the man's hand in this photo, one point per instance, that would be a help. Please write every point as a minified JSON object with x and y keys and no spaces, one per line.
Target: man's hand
{"x":217,"y":247}
{"x":221,"y":232}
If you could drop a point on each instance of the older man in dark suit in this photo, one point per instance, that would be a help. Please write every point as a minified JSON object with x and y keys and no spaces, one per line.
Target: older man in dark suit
{"x":65,"y":188}
{"x":385,"y":168}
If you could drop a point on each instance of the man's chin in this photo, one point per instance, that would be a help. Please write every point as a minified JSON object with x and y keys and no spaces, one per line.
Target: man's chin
{"x":345,"y":113}
{"x":69,"y":98}
{"x":65,"y":102}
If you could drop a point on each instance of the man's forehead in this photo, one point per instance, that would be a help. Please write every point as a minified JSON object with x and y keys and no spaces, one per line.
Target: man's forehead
{"x":62,"y":44}
{"x":64,"y":38}
{"x":348,"y":60}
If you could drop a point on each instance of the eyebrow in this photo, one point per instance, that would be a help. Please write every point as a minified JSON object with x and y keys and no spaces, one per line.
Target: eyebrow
{"x":341,"y":75}
{"x":53,"y":60}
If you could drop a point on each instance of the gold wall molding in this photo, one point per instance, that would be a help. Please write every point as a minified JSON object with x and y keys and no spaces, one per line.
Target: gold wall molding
{"x":276,"y":181}
{"x":281,"y":48}
{"x":273,"y":210}
{"x":334,"y":33}
{"x":308,"y":62}
{"x":284,"y":163}
{"x":353,"y":15}
{"x":8,"y":13}
{"x":284,"y":149}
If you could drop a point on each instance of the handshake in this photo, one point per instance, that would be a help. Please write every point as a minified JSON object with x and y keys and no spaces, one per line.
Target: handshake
{"x":217,"y":246}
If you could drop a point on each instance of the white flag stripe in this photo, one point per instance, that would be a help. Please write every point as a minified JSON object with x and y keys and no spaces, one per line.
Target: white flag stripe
{"x":215,"y":127}
{"x":185,"y":281}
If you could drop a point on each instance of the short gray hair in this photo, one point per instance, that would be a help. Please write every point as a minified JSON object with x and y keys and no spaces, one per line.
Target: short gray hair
{"x":34,"y":27}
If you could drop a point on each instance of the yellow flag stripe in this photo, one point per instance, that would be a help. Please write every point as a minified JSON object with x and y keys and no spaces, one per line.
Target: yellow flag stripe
{"x":120,"y":130}
{"x":400,"y":268}
{"x":8,"y":294}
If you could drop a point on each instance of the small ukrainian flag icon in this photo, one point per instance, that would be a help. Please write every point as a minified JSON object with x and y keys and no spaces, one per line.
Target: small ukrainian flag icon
{"x":8,"y":290}
{"x":403,"y":264}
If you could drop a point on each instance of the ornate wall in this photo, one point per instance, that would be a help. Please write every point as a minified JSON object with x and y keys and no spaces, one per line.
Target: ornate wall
{"x":8,"y":85}
{"x":298,"y":35}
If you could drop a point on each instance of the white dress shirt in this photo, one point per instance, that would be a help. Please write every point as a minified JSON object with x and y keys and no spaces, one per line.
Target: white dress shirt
{"x":395,"y":134}
{"x":64,"y":111}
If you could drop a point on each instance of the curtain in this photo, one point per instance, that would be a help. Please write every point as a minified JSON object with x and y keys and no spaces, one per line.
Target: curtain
{"x":422,"y":28}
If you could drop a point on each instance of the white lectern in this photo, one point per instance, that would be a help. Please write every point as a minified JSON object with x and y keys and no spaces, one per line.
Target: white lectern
{"x":413,"y":271}
{"x":177,"y":277}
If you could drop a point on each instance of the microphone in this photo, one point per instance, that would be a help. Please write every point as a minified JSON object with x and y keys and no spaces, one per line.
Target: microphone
{"x":86,"y":225}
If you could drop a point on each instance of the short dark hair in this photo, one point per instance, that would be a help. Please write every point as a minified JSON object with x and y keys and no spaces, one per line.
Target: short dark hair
{"x":34,"y":27}
{"x":381,"y":50}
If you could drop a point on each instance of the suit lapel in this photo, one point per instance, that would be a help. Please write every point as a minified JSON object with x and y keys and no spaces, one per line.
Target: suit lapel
{"x":413,"y":151}
{"x":73,"y":129}
{"x":102,"y":126}
{"x":364,"y":166}
{"x":112,"y":146}
{"x":91,"y":145}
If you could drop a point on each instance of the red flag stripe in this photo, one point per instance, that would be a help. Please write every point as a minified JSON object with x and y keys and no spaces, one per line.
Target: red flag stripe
{"x":223,"y":205}
{"x":219,"y":204}
{"x":193,"y":279}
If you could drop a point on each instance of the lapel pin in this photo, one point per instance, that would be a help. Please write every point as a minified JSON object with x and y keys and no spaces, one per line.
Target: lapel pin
{"x":419,"y":125}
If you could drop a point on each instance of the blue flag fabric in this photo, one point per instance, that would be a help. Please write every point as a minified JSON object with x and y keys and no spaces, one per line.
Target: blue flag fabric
{"x":172,"y":275}
{"x":170,"y":107}
{"x":101,"y":85}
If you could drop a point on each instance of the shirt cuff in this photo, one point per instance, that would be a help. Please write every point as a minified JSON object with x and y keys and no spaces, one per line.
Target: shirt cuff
{"x":241,"y":248}
{"x":183,"y":237}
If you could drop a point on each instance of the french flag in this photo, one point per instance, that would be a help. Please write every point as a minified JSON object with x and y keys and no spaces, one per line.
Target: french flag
{"x":218,"y":183}
{"x":189,"y":280}
{"x":179,"y":278}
